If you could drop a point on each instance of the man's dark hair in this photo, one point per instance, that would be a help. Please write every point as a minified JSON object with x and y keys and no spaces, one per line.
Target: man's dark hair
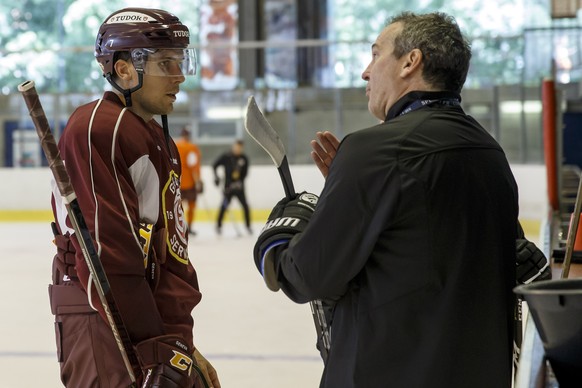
{"x":446,"y":53}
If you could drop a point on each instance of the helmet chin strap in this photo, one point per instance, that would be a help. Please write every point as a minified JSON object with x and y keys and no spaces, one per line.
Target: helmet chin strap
{"x":127,"y":92}
{"x":166,"y":131}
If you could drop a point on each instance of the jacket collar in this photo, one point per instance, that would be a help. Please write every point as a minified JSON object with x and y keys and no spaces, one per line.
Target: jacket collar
{"x":409,"y":98}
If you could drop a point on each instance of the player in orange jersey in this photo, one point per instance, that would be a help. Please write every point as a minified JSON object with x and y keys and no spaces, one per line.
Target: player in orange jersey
{"x":190,"y":183}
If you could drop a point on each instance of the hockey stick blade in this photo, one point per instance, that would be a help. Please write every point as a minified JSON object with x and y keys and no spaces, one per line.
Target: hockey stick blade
{"x":263,"y":133}
{"x":63,"y":181}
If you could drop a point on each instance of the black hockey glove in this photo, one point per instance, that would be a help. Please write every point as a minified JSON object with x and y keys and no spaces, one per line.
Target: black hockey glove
{"x":287,"y":218}
{"x":166,"y":362}
{"x":531,"y":263}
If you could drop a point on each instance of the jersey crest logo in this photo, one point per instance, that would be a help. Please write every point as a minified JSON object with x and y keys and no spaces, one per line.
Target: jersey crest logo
{"x":177,"y":236}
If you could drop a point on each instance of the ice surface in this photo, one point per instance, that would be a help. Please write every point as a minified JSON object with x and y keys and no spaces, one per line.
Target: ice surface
{"x":253,"y":337}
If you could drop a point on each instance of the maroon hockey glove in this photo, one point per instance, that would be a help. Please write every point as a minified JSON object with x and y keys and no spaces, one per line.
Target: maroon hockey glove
{"x":166,"y":362}
{"x":287,"y":218}
{"x":65,"y":258}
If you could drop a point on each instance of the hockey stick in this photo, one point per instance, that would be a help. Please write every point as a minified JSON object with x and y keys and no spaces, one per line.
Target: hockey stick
{"x":572,"y":232}
{"x":261,"y":131}
{"x":233,"y":221}
{"x":63,"y":181}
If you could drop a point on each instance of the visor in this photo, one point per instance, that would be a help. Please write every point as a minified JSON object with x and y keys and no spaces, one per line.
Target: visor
{"x":170,"y":62}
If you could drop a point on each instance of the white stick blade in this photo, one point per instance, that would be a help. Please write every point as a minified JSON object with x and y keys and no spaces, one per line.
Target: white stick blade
{"x":259,"y":129}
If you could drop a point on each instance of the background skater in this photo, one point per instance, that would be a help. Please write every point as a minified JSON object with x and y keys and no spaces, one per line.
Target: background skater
{"x":235,"y":165}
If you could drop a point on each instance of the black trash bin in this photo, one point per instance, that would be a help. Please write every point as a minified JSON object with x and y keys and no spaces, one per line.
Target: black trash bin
{"x":556,"y":308}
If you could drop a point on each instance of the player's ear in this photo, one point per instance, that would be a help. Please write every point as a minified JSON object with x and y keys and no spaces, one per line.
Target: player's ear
{"x":123,"y":70}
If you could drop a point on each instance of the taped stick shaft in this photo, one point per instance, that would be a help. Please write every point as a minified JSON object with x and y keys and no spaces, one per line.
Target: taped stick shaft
{"x":47,"y":141}
{"x":94,"y":264}
{"x":286,"y":179}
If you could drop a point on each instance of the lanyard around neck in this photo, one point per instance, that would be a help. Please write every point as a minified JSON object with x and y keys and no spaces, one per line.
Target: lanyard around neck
{"x":421,"y":103}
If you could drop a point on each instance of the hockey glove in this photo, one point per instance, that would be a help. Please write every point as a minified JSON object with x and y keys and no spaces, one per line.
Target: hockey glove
{"x":166,"y":362}
{"x":531,"y":264}
{"x":206,"y":370}
{"x":287,"y":218}
{"x":65,"y":258}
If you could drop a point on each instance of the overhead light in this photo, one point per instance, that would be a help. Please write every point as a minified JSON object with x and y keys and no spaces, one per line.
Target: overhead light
{"x":225,"y":113}
{"x":519,"y":106}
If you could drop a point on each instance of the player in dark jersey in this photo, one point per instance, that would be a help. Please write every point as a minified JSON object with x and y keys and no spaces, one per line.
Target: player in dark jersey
{"x":413,"y":238}
{"x":236,"y":166}
{"x":125,"y":169}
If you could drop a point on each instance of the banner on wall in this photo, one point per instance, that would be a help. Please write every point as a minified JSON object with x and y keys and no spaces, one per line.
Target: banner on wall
{"x":281,"y":25}
{"x":565,"y":8}
{"x":219,"y":36}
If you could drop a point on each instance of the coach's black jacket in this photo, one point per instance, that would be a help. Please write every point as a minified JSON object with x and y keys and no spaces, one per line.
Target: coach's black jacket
{"x":415,"y":234}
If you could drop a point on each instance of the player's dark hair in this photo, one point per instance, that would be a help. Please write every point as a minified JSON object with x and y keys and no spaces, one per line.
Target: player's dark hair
{"x":446,"y":52}
{"x":185,"y":132}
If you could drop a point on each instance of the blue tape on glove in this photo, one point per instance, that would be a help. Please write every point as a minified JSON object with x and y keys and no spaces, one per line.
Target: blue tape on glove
{"x":272,"y":245}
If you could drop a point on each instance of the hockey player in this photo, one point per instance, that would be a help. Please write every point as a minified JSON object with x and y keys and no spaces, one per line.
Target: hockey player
{"x":190,"y":182}
{"x":414,"y":234}
{"x":236,"y":166}
{"x":125,"y":170}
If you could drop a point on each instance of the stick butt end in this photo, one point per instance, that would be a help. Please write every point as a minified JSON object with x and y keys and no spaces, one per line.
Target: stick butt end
{"x":26,"y":85}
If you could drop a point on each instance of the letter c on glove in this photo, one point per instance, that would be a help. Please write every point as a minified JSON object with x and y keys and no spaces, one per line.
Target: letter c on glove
{"x":181,"y":361}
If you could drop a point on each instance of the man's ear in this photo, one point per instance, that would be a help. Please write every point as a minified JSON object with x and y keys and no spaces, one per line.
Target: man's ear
{"x":124,"y":70}
{"x":412,"y":62}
